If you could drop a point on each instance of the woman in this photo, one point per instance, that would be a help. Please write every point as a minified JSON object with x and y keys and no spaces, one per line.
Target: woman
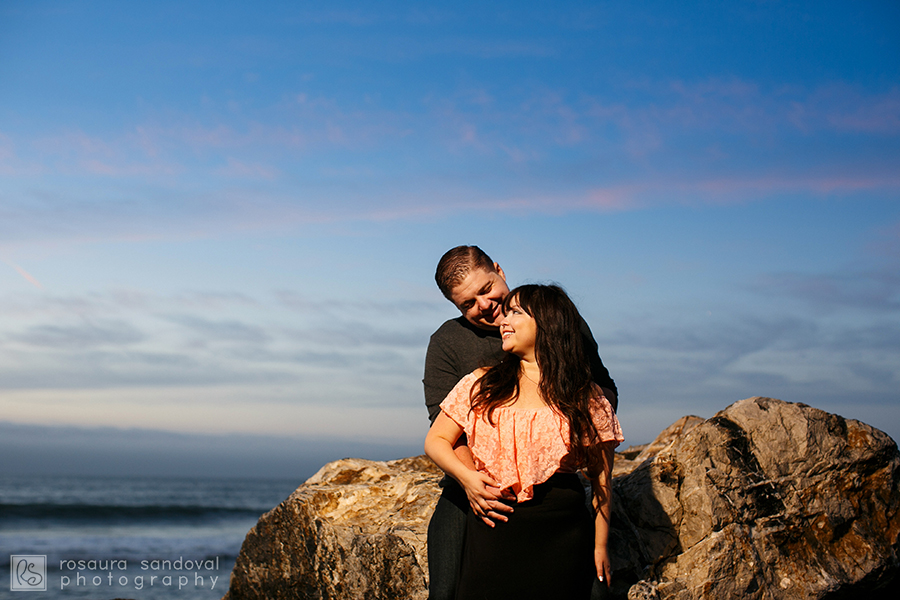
{"x":532,"y":422}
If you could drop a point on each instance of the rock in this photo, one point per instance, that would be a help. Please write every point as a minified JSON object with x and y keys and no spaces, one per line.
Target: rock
{"x":356,"y":529}
{"x":629,"y":459}
{"x":668,"y":436}
{"x":765,"y":500}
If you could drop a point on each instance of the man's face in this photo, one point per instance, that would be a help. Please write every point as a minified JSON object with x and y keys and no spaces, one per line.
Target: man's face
{"x":479,"y":295}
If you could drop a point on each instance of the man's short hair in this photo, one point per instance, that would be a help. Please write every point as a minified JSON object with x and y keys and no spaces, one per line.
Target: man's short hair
{"x":456,"y":264}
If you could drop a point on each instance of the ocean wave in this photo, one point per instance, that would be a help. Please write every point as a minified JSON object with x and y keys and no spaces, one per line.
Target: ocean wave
{"x":107,"y":512}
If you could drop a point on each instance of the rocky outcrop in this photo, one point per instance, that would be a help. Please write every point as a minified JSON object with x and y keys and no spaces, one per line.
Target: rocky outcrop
{"x":766,"y":500}
{"x":629,"y":459}
{"x":354,"y":530}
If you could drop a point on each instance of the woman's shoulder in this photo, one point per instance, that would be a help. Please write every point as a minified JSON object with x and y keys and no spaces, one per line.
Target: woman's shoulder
{"x":473,"y":378}
{"x":470,"y":379}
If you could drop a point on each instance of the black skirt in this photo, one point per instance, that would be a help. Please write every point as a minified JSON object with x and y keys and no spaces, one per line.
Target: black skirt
{"x":545,"y":550}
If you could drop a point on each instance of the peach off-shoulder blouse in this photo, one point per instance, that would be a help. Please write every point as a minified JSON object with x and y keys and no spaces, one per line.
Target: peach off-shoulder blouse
{"x":525,"y":446}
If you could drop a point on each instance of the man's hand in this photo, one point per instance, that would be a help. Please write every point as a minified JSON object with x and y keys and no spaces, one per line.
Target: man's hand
{"x":485,"y":499}
{"x":499,"y":505}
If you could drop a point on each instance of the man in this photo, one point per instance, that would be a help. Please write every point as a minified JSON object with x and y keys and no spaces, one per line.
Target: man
{"x":477,"y":286}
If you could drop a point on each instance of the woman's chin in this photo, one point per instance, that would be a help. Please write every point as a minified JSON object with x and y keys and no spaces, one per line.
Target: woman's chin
{"x":512,"y":349}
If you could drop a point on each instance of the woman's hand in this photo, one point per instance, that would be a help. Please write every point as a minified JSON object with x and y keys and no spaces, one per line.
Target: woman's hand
{"x":485,"y":499}
{"x":602,"y":564}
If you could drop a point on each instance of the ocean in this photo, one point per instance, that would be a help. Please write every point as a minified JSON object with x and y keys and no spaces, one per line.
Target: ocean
{"x":145,"y":538}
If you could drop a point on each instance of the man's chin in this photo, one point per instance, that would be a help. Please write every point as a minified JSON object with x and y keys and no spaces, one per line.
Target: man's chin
{"x":485,"y":325}
{"x":493,"y":322}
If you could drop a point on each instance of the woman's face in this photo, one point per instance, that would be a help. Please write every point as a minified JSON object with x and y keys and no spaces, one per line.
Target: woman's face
{"x":518,"y":330}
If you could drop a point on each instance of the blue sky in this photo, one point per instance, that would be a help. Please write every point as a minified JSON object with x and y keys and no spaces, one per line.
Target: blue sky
{"x":220,"y":220}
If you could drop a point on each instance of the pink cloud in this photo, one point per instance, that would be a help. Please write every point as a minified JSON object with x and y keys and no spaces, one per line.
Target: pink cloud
{"x":6,"y":148}
{"x":703,"y":91}
{"x":198,"y":137}
{"x":11,"y":165}
{"x":75,"y":142}
{"x":774,"y":184}
{"x":236,"y":168}
{"x":722,"y":191}
{"x":25,"y":274}
{"x":614,"y":199}
{"x":113,"y":169}
{"x":879,"y":114}
{"x":743,"y":107}
{"x":7,"y":155}
{"x":238,"y":210}
{"x":76,"y":152}
{"x":886,"y":243}
{"x":305,"y":122}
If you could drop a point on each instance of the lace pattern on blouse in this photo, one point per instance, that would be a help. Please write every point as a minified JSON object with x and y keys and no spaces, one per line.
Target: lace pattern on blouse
{"x":525,"y":446}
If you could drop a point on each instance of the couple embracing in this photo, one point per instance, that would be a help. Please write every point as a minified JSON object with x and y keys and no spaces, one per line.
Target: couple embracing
{"x":520,"y":402}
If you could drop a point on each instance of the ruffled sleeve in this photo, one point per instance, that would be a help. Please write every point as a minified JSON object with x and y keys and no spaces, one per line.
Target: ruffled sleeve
{"x":604,"y":418}
{"x":457,"y":405}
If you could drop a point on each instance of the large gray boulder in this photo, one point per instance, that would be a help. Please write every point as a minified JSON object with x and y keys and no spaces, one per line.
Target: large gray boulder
{"x":767,"y":500}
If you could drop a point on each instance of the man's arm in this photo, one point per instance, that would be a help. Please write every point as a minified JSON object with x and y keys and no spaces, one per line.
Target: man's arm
{"x":441,"y":375}
{"x":441,"y":446}
{"x":599,"y":372}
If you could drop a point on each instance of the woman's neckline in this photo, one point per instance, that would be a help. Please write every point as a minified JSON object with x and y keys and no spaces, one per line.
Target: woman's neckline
{"x":514,"y":407}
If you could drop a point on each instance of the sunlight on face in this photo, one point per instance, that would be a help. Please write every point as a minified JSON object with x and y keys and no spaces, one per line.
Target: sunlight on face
{"x":518,"y":331}
{"x":479,"y":296}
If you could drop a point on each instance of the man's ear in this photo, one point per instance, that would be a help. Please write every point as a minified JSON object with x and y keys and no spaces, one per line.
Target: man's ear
{"x":500,"y":272}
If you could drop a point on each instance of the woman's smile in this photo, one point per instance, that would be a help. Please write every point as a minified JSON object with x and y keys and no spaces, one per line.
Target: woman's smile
{"x":518,"y":330}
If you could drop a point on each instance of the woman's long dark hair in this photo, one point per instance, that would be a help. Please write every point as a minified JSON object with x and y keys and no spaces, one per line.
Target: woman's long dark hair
{"x":566,"y":381}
